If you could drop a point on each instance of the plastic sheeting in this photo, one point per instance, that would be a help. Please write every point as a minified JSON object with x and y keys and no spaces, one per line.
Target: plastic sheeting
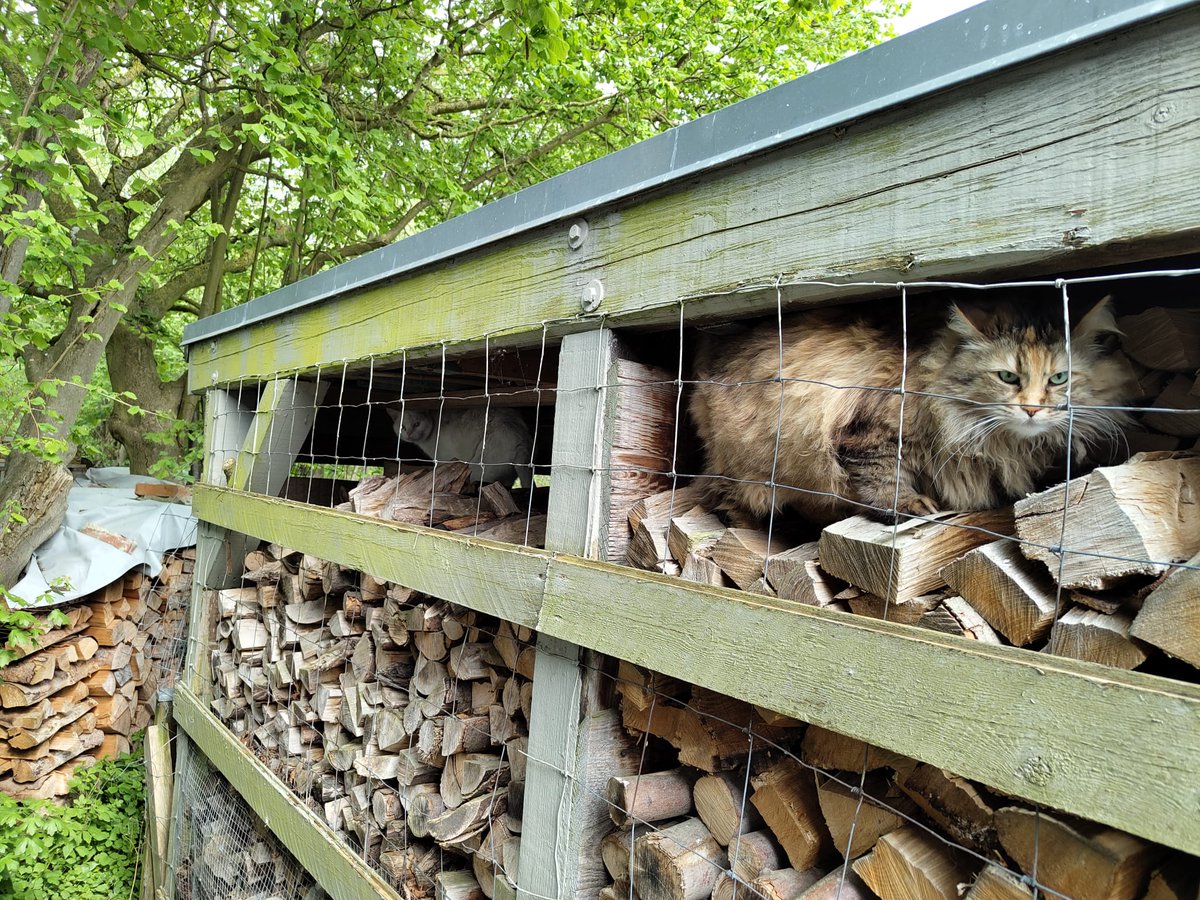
{"x":104,"y":498}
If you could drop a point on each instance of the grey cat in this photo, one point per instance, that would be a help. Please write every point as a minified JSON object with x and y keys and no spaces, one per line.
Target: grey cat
{"x":505,"y":456}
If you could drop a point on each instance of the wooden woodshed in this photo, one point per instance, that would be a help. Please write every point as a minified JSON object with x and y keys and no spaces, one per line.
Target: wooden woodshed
{"x":1049,"y":146}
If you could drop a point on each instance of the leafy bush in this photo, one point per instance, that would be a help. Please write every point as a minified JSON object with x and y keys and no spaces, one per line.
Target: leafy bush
{"x":86,"y":849}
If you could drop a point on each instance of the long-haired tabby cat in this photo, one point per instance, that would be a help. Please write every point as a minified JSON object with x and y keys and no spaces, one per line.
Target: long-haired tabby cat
{"x":983,"y":413}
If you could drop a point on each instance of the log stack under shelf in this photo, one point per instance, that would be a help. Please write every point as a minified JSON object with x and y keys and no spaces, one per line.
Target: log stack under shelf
{"x":773,"y":818}
{"x":1126,"y":594}
{"x":401,"y":719}
{"x":86,"y":686}
{"x":441,"y":497}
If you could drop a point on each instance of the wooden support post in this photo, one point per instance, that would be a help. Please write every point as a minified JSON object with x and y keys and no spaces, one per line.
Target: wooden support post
{"x":285,"y":415}
{"x":226,"y":424}
{"x":183,"y":757}
{"x":254,"y":452}
{"x":565,"y":813}
{"x":159,"y":788}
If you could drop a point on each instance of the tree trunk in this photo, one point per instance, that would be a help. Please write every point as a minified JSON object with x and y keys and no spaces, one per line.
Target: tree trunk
{"x":131,"y":367}
{"x":38,"y":489}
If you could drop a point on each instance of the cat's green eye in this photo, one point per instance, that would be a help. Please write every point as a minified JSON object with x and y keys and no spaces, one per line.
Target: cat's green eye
{"x":1008,"y":377}
{"x":1058,"y":378}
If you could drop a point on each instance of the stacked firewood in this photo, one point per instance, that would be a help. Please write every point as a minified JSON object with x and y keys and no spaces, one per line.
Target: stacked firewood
{"x":745,"y":802}
{"x":442,"y":497}
{"x":78,"y":693}
{"x":232,"y":853}
{"x":1164,"y":347}
{"x":1114,"y":598}
{"x":401,"y":719}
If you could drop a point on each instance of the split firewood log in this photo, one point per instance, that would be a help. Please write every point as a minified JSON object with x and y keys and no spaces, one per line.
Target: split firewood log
{"x":1015,"y":595}
{"x":1113,"y":521}
{"x":909,"y":864}
{"x":953,"y":804}
{"x":786,"y":797}
{"x":1084,"y":861}
{"x":681,"y":862}
{"x":995,"y":883}
{"x":1097,"y":637}
{"x":903,"y":561}
{"x":722,"y":803}
{"x":1170,"y":616}
{"x":856,"y":820}
{"x":650,"y":797}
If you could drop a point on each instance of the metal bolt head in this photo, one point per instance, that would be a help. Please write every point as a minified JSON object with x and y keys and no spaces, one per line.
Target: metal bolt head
{"x":592,"y":296}
{"x":577,"y":234}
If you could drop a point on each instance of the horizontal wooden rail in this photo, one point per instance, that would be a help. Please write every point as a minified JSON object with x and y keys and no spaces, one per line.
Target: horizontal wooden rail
{"x":342,"y":874}
{"x":1117,"y":747}
{"x":1012,"y":172}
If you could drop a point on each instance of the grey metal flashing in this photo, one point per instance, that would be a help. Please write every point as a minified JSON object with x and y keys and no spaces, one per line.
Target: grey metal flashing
{"x":976,"y":42}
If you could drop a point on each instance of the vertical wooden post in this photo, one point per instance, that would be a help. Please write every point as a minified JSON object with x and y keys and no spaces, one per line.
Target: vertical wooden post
{"x":226,"y":424}
{"x":565,"y":813}
{"x":263,"y":446}
{"x":177,"y":834}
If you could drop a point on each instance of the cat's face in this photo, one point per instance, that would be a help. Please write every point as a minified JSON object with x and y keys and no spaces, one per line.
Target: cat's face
{"x":412,"y":425}
{"x":1012,"y":369}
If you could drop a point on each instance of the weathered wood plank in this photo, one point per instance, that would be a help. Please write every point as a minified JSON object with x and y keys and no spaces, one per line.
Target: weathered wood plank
{"x":563,"y":822}
{"x":1073,"y":736}
{"x":502,"y":580}
{"x":285,"y":415}
{"x":226,"y":424}
{"x":214,"y":568}
{"x":1121,"y":748}
{"x":317,"y":847}
{"x":1015,"y":196}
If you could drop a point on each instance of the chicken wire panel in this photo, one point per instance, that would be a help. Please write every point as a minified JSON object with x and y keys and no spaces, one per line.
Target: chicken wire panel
{"x":225,"y":851}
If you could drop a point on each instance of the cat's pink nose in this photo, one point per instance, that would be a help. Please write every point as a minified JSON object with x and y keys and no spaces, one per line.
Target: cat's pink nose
{"x":1031,"y":410}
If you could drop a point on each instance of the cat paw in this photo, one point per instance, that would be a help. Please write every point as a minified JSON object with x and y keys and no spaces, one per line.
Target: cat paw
{"x":919,"y":505}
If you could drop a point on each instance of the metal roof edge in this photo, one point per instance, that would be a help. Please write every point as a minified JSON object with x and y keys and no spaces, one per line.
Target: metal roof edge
{"x":976,"y":42}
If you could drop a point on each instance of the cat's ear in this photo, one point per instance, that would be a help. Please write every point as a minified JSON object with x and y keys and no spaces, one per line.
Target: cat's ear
{"x":970,"y":321}
{"x":1099,"y":328}
{"x":396,"y":414}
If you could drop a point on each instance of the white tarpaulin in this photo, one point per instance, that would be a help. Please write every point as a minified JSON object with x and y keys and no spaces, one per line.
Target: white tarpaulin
{"x":104,"y":499}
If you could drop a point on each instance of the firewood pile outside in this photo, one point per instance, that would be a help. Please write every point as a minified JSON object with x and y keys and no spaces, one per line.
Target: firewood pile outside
{"x":1124,"y":594}
{"x":401,"y":719}
{"x":732,"y":800}
{"x":78,"y":694}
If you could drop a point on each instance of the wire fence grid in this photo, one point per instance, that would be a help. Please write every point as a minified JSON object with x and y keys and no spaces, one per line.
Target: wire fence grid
{"x":361,"y":459}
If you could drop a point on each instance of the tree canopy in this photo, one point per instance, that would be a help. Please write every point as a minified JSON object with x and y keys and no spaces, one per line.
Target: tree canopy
{"x":165,"y":158}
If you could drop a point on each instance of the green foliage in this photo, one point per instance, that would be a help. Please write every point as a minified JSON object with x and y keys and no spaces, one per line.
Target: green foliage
{"x":24,"y":627}
{"x":328,"y":130}
{"x":85,"y":849}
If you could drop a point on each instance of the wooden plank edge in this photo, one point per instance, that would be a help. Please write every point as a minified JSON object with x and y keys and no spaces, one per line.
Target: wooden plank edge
{"x":1117,"y":747}
{"x":503,"y":580}
{"x":1035,"y":726}
{"x":322,"y":853}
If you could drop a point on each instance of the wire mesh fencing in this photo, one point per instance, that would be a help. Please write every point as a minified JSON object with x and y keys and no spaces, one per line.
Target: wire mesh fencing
{"x":1008,"y":463}
{"x":225,"y":851}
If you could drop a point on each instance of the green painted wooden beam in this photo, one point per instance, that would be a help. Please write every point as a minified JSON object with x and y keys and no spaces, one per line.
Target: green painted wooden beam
{"x":1011,"y":173}
{"x":342,"y":874}
{"x":498,"y":579}
{"x":1117,"y":747}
